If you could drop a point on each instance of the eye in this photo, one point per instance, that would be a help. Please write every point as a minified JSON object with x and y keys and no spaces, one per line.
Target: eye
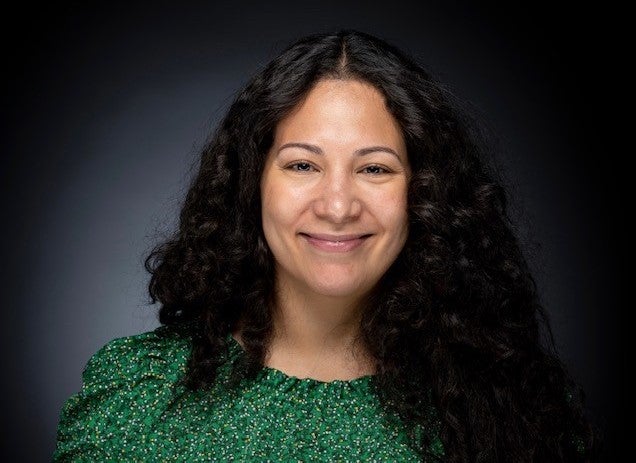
{"x":300,"y":167}
{"x":376,"y":170}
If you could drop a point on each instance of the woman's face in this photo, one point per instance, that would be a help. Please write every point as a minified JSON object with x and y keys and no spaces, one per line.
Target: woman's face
{"x":334,"y":191}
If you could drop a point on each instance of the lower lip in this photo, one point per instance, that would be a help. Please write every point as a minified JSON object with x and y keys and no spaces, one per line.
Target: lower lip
{"x":335,"y":246}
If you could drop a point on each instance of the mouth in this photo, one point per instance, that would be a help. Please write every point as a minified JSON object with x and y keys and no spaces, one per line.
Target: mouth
{"x":335,"y":243}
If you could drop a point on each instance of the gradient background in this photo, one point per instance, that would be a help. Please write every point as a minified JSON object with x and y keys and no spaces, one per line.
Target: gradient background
{"x":106,"y":107}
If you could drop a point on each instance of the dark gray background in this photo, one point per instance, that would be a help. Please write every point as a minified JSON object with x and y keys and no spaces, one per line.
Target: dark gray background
{"x":105,"y":108}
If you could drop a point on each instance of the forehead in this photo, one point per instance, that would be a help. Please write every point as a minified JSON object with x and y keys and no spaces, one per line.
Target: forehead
{"x":347,"y":111}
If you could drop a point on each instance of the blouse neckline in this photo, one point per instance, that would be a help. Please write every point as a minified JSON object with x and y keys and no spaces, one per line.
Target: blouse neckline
{"x":279,"y":378}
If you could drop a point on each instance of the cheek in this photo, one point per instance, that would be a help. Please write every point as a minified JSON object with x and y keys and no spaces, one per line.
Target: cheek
{"x":280,"y":206}
{"x":391,"y":211}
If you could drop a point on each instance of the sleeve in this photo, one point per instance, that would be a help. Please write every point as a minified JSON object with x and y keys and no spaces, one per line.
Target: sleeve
{"x":126,"y":385}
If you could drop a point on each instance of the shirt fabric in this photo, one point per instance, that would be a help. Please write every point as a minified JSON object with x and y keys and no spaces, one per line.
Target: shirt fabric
{"x":131,"y":409}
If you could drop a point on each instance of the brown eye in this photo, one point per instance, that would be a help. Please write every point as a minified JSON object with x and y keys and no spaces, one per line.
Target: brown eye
{"x":376,"y":170}
{"x":300,"y":167}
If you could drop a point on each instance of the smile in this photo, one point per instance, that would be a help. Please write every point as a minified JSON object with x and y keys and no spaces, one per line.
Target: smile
{"x":333,"y":243}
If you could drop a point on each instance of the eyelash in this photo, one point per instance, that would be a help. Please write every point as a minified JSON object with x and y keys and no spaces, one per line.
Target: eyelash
{"x":291,"y":167}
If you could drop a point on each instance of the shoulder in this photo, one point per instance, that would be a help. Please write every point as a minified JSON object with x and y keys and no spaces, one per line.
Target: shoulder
{"x":161,"y":353}
{"x":126,"y":386}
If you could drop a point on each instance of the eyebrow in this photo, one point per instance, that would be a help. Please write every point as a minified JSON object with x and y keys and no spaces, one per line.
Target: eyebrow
{"x":359,"y":152}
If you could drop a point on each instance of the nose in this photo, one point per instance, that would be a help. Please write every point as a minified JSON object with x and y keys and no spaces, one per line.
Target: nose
{"x":338,"y":200}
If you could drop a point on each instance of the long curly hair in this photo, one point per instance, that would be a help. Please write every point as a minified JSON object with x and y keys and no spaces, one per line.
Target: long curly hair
{"x":455,"y":322}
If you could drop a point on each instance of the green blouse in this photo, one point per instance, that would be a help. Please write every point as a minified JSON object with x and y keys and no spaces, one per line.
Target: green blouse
{"x":131,"y":409}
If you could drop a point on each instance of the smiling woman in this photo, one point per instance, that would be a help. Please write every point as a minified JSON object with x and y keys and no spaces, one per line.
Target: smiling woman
{"x":336,"y":194}
{"x":335,"y":226}
{"x":344,"y":285}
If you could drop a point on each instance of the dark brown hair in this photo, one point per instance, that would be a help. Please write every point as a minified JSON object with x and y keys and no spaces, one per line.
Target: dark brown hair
{"x":456,"y":321}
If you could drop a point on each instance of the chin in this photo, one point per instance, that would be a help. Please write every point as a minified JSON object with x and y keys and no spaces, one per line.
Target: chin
{"x":337,"y":289}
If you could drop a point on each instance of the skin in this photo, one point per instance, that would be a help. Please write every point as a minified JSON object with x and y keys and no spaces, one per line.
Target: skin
{"x":338,"y":192}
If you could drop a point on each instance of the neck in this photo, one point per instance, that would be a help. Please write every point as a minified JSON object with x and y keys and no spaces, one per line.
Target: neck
{"x":316,"y":335}
{"x":311,"y":323}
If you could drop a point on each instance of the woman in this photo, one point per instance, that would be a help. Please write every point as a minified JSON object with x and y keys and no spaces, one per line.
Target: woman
{"x":344,"y":286}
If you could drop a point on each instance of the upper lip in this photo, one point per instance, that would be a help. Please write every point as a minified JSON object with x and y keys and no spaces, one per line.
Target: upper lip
{"x":328,"y":237}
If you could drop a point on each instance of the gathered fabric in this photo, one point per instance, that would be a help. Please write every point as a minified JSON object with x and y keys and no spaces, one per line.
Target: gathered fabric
{"x":130,"y":408}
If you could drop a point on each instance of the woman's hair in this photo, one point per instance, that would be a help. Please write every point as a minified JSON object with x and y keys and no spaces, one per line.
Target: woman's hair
{"x":455,"y":324}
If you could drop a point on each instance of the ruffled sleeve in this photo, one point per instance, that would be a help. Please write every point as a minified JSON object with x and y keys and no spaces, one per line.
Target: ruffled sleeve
{"x":127,"y":384}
